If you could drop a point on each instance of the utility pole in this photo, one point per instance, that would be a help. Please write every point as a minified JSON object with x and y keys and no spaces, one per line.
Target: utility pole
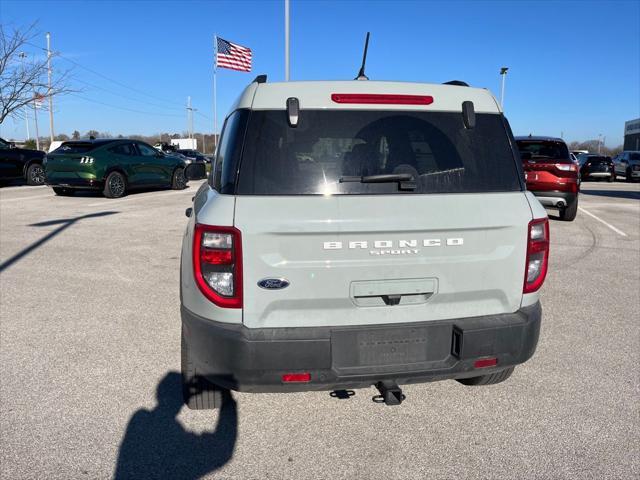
{"x":49,"y":91}
{"x":189,"y":116}
{"x":599,"y":142}
{"x":22,"y":56}
{"x":286,"y":40}
{"x":190,"y":111}
{"x":35,"y":118}
{"x":503,"y":73}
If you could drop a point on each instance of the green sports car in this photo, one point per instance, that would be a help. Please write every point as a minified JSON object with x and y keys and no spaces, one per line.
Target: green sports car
{"x":112,"y":166}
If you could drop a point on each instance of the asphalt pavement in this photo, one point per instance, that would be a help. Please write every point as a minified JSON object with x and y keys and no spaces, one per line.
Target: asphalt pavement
{"x":90,"y":355}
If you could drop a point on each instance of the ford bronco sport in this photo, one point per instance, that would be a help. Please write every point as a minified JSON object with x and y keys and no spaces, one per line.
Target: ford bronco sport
{"x":360,"y":233}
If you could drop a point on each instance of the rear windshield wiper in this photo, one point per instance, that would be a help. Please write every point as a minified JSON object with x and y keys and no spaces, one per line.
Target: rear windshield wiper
{"x":405,"y":181}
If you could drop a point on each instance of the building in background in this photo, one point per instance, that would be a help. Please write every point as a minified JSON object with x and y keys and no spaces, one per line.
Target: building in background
{"x":185,"y":143}
{"x":632,"y":134}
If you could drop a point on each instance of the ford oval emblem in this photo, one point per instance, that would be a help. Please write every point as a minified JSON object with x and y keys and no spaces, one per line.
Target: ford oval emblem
{"x":273,"y":283}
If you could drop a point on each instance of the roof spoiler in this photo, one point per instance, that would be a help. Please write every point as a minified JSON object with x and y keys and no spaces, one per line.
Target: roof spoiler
{"x":458,"y":83}
{"x":260,"y":79}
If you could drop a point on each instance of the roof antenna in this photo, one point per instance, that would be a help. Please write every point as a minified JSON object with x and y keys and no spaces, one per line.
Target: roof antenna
{"x":361,"y":75}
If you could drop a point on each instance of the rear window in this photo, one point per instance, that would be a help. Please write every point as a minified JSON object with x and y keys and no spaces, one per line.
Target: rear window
{"x":78,"y":147}
{"x":544,"y":150}
{"x":329,"y":148}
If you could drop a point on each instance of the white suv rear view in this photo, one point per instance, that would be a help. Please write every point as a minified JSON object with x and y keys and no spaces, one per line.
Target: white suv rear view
{"x":360,"y":233}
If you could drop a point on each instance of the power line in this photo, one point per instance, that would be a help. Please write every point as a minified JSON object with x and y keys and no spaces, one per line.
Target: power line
{"x":124,"y":108}
{"x":125,"y":96}
{"x":106,"y":77}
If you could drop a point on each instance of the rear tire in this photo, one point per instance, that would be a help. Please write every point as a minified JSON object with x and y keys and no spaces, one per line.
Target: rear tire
{"x":568,"y":213}
{"x":115,"y":186}
{"x":63,"y":192}
{"x":490,"y":379}
{"x":197,"y":392}
{"x":178,"y":181}
{"x":35,"y":174}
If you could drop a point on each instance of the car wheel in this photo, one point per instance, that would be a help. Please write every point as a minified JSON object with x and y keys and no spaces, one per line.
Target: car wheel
{"x":490,"y":379}
{"x":35,"y":174}
{"x":115,"y":186}
{"x":197,"y":392}
{"x":568,"y":213}
{"x":179,"y":181}
{"x":63,"y":192}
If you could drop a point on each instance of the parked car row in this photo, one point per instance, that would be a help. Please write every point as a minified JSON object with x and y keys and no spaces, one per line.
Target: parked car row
{"x":551,"y":174}
{"x":554,"y":174}
{"x":112,"y":166}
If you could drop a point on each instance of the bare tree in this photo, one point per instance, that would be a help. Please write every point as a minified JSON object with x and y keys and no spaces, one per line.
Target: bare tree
{"x":22,"y":79}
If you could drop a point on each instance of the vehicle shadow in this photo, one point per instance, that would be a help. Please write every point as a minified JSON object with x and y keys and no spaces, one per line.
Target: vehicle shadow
{"x":64,"y":224}
{"x":130,"y":193}
{"x":629,"y":194}
{"x":156,"y":445}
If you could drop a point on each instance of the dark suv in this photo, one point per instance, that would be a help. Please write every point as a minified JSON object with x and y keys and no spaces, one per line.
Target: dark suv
{"x":551,"y":174}
{"x":20,"y":163}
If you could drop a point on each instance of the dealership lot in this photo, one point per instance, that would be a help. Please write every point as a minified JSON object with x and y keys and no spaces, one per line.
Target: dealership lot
{"x":89,"y":359}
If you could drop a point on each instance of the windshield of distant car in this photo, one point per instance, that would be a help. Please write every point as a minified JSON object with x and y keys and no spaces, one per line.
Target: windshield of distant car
{"x":544,"y":149}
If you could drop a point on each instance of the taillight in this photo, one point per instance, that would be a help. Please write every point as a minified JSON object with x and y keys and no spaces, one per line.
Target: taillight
{"x":217,"y":264}
{"x":537,"y":255}
{"x":567,"y":167}
{"x":382,"y":99}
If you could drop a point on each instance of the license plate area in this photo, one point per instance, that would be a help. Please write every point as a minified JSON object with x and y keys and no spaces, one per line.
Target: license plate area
{"x":392,"y":349}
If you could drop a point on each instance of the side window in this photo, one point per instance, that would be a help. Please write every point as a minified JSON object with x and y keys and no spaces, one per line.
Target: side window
{"x":229,"y":152}
{"x":146,"y":150}
{"x":124,"y":149}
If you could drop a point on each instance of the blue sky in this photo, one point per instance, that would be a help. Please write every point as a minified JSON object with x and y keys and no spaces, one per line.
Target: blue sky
{"x":574,"y":66}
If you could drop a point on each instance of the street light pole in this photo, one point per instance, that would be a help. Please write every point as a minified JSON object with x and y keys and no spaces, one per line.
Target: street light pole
{"x":503,"y":73}
{"x":49,"y":92}
{"x":286,"y":40}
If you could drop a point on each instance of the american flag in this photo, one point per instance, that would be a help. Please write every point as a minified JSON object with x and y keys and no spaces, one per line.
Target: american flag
{"x":233,"y":56}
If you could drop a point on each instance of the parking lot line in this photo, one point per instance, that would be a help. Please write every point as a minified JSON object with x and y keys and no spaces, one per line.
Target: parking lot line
{"x":617,"y":230}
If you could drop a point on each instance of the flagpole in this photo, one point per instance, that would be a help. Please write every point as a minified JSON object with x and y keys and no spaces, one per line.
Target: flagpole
{"x":215,"y":106}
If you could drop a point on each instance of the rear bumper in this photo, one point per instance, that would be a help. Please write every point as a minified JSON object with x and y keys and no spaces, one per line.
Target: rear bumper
{"x":254,"y":360}
{"x":81,"y":183}
{"x":597,"y":174}
{"x":554,"y":198}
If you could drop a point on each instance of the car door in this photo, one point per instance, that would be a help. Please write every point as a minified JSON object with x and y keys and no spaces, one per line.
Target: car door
{"x":11,"y":163}
{"x":124,"y":156}
{"x":151,"y":165}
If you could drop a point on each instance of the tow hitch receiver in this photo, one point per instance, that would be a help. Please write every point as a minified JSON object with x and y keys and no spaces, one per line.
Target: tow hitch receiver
{"x":390,"y":393}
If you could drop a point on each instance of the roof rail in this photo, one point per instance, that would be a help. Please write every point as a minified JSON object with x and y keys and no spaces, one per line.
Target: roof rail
{"x":260,"y":79}
{"x":458,"y":83}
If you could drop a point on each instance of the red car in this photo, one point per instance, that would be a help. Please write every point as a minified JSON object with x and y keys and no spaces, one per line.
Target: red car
{"x":551,"y":174}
